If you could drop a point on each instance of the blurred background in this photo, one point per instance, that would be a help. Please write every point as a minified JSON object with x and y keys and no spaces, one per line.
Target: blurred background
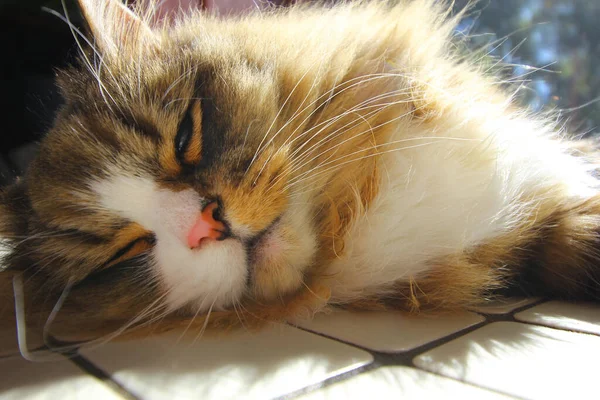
{"x":562,"y":37}
{"x":551,"y":45}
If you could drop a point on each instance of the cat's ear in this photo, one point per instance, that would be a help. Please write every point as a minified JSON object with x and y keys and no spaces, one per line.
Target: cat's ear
{"x":117,"y":30}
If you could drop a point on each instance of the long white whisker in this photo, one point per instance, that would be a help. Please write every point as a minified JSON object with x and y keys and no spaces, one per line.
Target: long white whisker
{"x":244,"y":143}
{"x":300,"y":163}
{"x":183,"y":99}
{"x":379,"y":107}
{"x":236,"y":302}
{"x":361,"y":80}
{"x":277,"y":116}
{"x":76,"y":32}
{"x":176,"y":81}
{"x":193,"y":318}
{"x":201,"y":333}
{"x":312,"y":86}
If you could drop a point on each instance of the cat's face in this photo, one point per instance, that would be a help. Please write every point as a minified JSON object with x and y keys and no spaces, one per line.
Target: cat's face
{"x":170,"y":172}
{"x":177,"y":180}
{"x":196,"y":167}
{"x":170,"y":168}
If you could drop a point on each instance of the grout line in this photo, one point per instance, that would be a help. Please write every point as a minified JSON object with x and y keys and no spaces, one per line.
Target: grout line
{"x":91,"y":369}
{"x":405,"y":358}
{"x":329,"y":381}
{"x":528,"y":306}
{"x":380,"y":359}
{"x":492,"y":317}
{"x":85,"y":365}
{"x":556,"y":328}
{"x":572,"y":330}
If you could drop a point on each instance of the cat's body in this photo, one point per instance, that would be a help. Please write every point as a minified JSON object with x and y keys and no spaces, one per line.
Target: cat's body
{"x":345,"y":156}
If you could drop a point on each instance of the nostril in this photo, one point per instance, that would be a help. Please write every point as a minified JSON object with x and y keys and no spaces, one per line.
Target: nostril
{"x":225,"y":233}
{"x":208,"y":225}
{"x":217,"y":214}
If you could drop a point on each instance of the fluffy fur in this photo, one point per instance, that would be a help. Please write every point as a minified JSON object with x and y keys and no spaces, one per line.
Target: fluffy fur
{"x":364,"y":165}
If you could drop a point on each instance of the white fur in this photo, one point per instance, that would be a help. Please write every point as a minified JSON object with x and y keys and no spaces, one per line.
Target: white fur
{"x":211,"y":276}
{"x":214,"y":275}
{"x":449,"y":195}
{"x":464,"y":188}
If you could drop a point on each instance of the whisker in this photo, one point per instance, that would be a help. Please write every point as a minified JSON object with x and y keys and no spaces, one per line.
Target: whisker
{"x":176,"y":81}
{"x":206,"y":319}
{"x":192,"y":319}
{"x":336,"y":133}
{"x":378,"y":108}
{"x":75,"y":33}
{"x":288,"y":122}
{"x":303,"y":177}
{"x":361,"y":80}
{"x":277,"y":116}
{"x":240,"y":317}
{"x":183,"y":99}
{"x":244,"y":143}
{"x":333,"y":119}
{"x":360,"y":134}
{"x":301,"y":161}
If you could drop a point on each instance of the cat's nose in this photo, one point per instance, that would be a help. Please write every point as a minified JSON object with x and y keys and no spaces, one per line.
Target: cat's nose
{"x":208,"y":226}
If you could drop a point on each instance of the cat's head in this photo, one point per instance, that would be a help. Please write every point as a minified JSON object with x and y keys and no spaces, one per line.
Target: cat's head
{"x":191,"y":166}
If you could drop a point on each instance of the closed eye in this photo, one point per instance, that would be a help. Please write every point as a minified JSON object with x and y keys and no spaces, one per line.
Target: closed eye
{"x":131,"y":249}
{"x":188,"y":141}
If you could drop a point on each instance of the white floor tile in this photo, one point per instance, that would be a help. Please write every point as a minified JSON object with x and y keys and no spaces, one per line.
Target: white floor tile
{"x":521,"y":360}
{"x":401,"y":383}
{"x":504,"y":306}
{"x":240,"y":365}
{"x":21,"y":379}
{"x":388,"y":331}
{"x":577,"y":317}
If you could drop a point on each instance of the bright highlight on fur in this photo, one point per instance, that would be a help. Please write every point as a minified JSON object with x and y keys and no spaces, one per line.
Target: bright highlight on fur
{"x":218,"y":172}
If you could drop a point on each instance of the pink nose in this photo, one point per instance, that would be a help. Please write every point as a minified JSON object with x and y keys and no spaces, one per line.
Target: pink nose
{"x":206,"y":227}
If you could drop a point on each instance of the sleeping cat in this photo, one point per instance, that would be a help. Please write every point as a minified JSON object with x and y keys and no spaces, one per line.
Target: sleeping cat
{"x":216,"y":172}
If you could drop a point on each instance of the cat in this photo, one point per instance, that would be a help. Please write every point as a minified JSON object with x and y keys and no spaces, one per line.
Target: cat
{"x":235,"y":171}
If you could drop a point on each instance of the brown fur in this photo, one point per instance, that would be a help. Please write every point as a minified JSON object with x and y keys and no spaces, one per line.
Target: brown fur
{"x":555,"y":254}
{"x":265,"y":117}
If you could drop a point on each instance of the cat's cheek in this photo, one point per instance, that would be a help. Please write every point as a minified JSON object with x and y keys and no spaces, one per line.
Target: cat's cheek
{"x":274,"y":275}
{"x":213,"y":276}
{"x":281,"y":259}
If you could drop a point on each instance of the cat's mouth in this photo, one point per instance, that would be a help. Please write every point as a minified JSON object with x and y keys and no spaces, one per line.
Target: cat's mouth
{"x":256,"y":245}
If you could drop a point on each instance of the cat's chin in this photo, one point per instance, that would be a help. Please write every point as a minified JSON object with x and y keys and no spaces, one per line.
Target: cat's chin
{"x":213,"y":277}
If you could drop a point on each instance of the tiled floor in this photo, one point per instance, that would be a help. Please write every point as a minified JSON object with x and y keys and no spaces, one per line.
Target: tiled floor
{"x":517,"y":349}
